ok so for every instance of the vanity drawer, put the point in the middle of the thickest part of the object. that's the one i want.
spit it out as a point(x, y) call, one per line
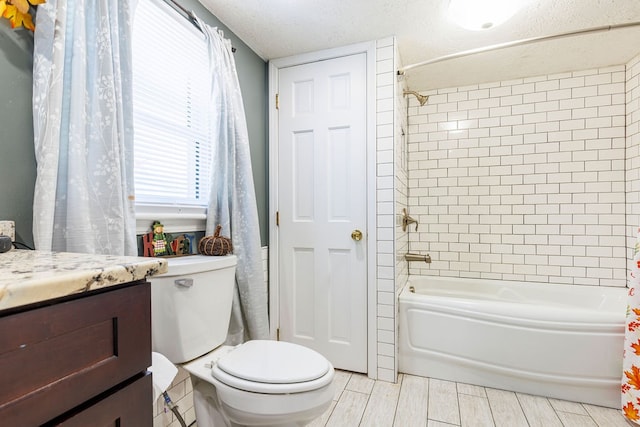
point(128, 406)
point(56, 357)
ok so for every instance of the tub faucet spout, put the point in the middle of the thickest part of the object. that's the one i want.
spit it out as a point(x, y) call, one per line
point(418, 257)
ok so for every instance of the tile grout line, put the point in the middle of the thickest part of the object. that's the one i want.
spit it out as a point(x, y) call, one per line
point(458, 401)
point(490, 408)
point(395, 412)
point(522, 409)
point(365, 407)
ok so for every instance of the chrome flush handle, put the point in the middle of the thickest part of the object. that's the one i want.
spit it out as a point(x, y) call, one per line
point(184, 283)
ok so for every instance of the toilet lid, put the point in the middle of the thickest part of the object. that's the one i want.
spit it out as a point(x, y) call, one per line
point(273, 367)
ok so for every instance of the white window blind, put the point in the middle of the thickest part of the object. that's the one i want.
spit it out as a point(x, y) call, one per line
point(171, 108)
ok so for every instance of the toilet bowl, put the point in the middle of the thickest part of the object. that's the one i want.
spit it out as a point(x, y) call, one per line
point(258, 383)
point(266, 383)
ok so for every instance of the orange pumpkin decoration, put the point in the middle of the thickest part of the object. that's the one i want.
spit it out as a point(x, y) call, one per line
point(215, 245)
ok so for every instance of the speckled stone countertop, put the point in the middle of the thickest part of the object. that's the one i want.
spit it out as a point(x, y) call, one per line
point(28, 277)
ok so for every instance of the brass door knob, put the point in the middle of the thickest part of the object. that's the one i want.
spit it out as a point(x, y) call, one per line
point(356, 235)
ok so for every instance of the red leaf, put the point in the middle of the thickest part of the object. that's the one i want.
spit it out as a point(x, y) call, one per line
point(631, 412)
point(634, 377)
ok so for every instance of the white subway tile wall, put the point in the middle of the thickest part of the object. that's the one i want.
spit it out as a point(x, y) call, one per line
point(523, 179)
point(401, 192)
point(386, 185)
point(633, 153)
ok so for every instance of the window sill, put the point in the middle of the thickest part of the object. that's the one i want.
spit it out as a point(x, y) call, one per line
point(176, 219)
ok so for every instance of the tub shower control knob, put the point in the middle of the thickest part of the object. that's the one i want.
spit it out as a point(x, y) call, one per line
point(356, 235)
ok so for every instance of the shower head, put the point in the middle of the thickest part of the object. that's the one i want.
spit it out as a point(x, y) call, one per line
point(422, 99)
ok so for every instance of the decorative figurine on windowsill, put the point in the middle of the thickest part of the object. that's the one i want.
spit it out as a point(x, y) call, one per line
point(161, 245)
point(216, 244)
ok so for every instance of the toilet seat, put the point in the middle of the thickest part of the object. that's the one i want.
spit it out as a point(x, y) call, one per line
point(273, 367)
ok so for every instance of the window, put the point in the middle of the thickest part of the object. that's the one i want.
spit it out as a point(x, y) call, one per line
point(172, 114)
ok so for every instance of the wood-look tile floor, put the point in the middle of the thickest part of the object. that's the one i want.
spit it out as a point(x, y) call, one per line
point(428, 402)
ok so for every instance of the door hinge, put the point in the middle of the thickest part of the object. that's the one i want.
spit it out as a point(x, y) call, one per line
point(277, 101)
point(278, 334)
point(277, 218)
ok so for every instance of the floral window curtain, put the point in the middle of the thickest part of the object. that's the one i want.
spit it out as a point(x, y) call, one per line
point(232, 203)
point(631, 364)
point(83, 127)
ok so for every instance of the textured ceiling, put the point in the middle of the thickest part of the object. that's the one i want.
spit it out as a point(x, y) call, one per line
point(279, 28)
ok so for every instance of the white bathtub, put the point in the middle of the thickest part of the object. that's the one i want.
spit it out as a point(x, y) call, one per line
point(551, 340)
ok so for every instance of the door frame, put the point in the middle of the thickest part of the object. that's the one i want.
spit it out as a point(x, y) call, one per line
point(369, 49)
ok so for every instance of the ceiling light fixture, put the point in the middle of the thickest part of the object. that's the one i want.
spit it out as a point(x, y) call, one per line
point(483, 14)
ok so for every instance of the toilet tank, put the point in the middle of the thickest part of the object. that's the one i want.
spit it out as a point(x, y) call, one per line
point(191, 305)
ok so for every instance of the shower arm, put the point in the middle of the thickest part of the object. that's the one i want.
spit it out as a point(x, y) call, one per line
point(422, 99)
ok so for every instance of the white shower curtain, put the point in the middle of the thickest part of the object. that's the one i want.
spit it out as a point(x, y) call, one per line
point(82, 114)
point(232, 202)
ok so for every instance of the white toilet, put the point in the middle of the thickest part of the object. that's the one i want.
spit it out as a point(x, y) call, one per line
point(258, 383)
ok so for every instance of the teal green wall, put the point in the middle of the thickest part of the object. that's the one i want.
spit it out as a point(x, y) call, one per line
point(17, 162)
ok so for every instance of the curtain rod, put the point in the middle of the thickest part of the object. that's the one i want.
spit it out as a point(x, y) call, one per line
point(188, 15)
point(403, 70)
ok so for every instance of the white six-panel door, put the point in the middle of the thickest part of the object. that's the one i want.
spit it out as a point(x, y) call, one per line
point(321, 203)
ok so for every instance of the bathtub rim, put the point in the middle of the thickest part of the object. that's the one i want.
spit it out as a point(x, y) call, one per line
point(603, 319)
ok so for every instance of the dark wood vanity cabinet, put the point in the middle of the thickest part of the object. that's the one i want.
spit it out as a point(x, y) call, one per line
point(78, 361)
